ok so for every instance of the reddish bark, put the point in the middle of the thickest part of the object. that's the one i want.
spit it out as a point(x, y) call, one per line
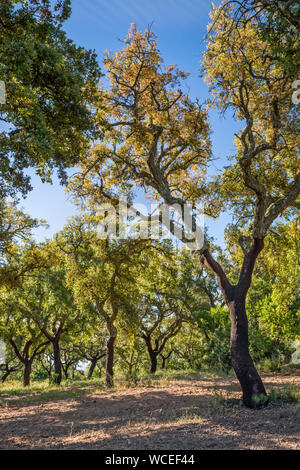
point(110, 362)
point(254, 394)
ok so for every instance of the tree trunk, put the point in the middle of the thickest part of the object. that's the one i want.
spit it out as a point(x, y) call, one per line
point(66, 370)
point(190, 363)
point(153, 362)
point(164, 359)
point(153, 358)
point(57, 362)
point(92, 367)
point(152, 354)
point(110, 361)
point(27, 373)
point(6, 374)
point(254, 393)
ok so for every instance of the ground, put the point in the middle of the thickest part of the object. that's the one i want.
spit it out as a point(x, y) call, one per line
point(178, 414)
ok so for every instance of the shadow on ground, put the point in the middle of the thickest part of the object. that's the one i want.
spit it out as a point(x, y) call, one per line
point(197, 414)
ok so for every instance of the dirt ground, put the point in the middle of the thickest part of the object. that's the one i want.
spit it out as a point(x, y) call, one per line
point(182, 415)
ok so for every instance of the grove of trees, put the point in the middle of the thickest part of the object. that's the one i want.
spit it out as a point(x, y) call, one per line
point(136, 304)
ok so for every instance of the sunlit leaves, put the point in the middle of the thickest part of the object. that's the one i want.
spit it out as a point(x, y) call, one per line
point(155, 136)
point(243, 76)
point(50, 87)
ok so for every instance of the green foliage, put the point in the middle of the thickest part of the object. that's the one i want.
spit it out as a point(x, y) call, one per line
point(284, 42)
point(14, 226)
point(217, 350)
point(277, 23)
point(40, 375)
point(146, 295)
point(50, 85)
point(287, 394)
point(275, 322)
point(260, 400)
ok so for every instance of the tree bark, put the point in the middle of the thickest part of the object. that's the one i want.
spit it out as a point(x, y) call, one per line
point(152, 354)
point(190, 362)
point(57, 362)
point(5, 375)
point(254, 393)
point(110, 361)
point(66, 370)
point(27, 373)
point(153, 362)
point(164, 359)
point(92, 367)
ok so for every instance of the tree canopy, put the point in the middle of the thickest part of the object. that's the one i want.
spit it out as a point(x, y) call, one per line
point(133, 299)
point(51, 86)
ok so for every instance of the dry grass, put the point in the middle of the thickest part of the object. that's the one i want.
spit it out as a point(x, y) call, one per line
point(167, 413)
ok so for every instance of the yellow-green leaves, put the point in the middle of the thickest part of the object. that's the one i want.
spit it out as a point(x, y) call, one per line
point(243, 75)
point(155, 136)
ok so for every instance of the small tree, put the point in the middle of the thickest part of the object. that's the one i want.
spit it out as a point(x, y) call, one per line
point(159, 321)
point(11, 363)
point(42, 296)
point(21, 333)
point(90, 343)
point(102, 275)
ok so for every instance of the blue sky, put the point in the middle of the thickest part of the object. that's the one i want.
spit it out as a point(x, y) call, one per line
point(180, 26)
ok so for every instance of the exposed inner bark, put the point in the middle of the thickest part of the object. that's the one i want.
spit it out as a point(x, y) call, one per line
point(110, 361)
point(27, 373)
point(94, 360)
point(153, 353)
point(92, 367)
point(164, 359)
point(254, 393)
point(8, 370)
point(66, 368)
point(54, 338)
point(242, 362)
point(57, 362)
point(26, 359)
point(153, 362)
point(5, 375)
